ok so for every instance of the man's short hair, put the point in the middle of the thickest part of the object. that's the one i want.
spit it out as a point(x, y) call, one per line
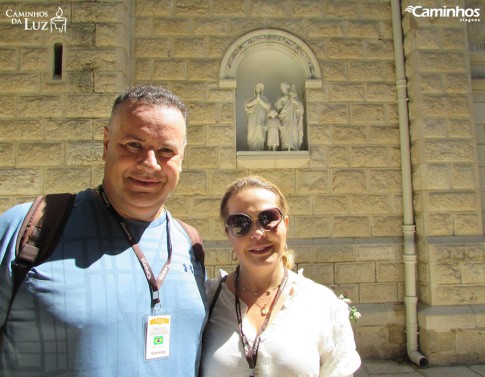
point(150, 95)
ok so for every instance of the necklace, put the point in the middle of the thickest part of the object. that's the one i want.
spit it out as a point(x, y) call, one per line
point(264, 310)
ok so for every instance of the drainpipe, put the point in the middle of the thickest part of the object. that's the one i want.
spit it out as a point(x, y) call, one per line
point(410, 259)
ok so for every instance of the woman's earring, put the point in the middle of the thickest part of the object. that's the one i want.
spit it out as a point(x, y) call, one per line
point(233, 255)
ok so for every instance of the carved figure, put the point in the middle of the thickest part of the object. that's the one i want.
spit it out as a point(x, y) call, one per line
point(274, 124)
point(257, 108)
point(290, 113)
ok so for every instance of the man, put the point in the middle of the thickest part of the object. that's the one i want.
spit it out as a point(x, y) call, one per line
point(102, 305)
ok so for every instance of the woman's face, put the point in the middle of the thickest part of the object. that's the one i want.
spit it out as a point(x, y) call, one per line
point(258, 247)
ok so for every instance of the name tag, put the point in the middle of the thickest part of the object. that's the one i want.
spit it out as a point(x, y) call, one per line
point(157, 337)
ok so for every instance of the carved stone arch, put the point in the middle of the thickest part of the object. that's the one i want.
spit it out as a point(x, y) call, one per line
point(270, 40)
point(271, 57)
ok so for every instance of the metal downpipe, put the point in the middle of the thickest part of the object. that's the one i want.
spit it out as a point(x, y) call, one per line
point(409, 257)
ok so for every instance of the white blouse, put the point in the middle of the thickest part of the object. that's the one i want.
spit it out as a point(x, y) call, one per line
point(310, 336)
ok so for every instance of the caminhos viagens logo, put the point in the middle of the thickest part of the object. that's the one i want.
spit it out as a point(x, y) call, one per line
point(463, 14)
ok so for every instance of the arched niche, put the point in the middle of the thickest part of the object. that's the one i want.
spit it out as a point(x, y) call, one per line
point(269, 56)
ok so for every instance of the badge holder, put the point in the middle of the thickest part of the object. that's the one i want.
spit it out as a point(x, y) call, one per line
point(157, 335)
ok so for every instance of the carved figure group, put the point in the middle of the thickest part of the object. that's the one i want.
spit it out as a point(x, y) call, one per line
point(278, 128)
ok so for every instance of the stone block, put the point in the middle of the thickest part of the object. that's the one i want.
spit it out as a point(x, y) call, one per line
point(191, 91)
point(338, 157)
point(330, 204)
point(39, 154)
point(376, 252)
point(153, 9)
point(228, 7)
point(97, 12)
point(171, 26)
point(17, 82)
point(332, 70)
point(20, 181)
point(189, 48)
point(110, 35)
point(460, 294)
point(363, 29)
point(362, 272)
point(109, 82)
point(7, 155)
point(369, 204)
point(334, 253)
point(84, 153)
point(348, 181)
point(311, 182)
point(385, 180)
point(7, 107)
point(379, 49)
point(89, 59)
point(284, 178)
point(191, 8)
point(437, 61)
point(345, 49)
point(300, 204)
point(456, 84)
point(320, 273)
point(365, 71)
point(439, 224)
point(343, 92)
point(21, 130)
point(472, 273)
point(349, 135)
point(67, 179)
point(376, 293)
point(33, 59)
point(5, 204)
point(205, 207)
point(220, 136)
point(463, 177)
point(201, 157)
point(218, 257)
point(351, 226)
point(153, 47)
point(318, 28)
point(226, 158)
point(210, 27)
point(202, 113)
point(172, 69)
point(381, 92)
point(369, 156)
point(192, 183)
point(436, 176)
point(389, 226)
point(87, 106)
point(40, 106)
point(467, 224)
point(454, 38)
point(312, 227)
point(455, 201)
point(178, 205)
point(367, 113)
point(203, 70)
point(384, 135)
point(430, 83)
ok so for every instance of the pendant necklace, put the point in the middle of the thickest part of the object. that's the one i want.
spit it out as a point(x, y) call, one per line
point(264, 310)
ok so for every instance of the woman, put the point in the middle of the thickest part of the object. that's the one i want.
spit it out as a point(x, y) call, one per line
point(257, 108)
point(266, 320)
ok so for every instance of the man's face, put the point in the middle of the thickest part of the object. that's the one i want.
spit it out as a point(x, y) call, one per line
point(143, 153)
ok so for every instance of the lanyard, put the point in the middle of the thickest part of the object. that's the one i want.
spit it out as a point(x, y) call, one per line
point(153, 283)
point(251, 352)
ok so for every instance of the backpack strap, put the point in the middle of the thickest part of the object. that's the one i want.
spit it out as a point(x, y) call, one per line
point(39, 233)
point(38, 236)
point(196, 240)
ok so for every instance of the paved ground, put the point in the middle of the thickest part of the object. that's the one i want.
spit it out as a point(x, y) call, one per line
point(372, 368)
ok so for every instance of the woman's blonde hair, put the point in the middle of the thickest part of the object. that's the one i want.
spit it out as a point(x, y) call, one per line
point(257, 182)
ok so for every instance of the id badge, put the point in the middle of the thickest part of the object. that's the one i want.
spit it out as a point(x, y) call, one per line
point(157, 337)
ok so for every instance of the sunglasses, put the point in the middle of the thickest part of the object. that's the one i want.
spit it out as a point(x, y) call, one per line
point(240, 224)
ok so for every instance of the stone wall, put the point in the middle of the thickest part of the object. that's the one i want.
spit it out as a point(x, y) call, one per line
point(345, 206)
